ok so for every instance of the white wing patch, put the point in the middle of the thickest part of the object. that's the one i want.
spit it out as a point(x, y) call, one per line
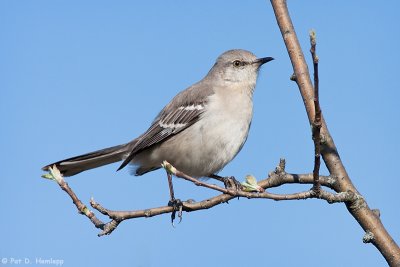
point(192, 107)
point(180, 117)
point(171, 125)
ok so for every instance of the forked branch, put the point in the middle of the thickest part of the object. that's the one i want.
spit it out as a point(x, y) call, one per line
point(377, 234)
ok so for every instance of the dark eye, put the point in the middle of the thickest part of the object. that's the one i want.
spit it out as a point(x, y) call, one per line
point(237, 63)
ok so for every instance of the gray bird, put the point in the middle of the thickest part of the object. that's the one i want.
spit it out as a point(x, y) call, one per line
point(200, 131)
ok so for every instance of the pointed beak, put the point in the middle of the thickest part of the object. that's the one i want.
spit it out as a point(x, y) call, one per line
point(263, 60)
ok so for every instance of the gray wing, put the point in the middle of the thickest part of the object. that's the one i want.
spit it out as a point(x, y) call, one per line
point(169, 122)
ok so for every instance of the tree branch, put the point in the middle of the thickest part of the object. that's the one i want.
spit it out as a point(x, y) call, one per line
point(358, 208)
point(276, 178)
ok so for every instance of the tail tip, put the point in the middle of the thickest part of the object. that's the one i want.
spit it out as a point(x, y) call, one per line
point(46, 168)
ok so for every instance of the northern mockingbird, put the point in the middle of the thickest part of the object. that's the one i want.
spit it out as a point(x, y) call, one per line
point(199, 131)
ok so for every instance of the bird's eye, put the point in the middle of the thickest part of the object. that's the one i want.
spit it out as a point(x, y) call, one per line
point(237, 63)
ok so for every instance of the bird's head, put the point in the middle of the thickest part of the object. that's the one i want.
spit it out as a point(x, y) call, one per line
point(238, 67)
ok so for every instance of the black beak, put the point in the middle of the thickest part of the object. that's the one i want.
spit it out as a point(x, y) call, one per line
point(263, 60)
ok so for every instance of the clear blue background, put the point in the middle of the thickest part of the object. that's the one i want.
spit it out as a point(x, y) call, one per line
point(79, 76)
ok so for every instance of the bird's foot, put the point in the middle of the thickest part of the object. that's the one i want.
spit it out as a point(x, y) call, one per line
point(230, 182)
point(177, 206)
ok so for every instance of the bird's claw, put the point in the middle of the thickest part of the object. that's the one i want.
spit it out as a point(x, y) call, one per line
point(231, 183)
point(177, 206)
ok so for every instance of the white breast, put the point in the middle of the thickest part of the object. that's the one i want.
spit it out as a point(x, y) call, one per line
point(227, 122)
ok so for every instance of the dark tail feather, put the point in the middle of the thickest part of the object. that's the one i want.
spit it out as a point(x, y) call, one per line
point(75, 165)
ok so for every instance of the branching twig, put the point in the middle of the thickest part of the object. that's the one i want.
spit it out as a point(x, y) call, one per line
point(276, 178)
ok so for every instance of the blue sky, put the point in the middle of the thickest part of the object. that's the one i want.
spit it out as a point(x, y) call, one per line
point(79, 76)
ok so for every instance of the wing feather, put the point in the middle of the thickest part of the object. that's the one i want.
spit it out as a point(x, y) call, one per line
point(166, 125)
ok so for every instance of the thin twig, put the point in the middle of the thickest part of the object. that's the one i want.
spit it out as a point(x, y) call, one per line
point(82, 209)
point(316, 125)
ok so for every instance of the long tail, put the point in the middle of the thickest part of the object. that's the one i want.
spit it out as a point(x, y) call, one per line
point(75, 165)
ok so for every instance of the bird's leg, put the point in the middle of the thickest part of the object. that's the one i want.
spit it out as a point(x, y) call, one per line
point(173, 202)
point(229, 181)
point(171, 187)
